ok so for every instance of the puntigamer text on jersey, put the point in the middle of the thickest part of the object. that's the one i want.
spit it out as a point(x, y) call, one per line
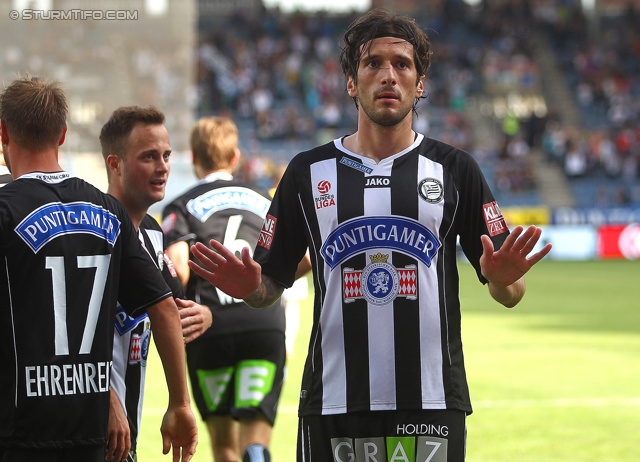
point(57, 219)
point(399, 233)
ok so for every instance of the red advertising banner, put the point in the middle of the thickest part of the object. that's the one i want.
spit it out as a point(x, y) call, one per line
point(619, 241)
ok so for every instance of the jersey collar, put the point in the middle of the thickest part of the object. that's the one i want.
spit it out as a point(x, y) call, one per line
point(215, 176)
point(47, 177)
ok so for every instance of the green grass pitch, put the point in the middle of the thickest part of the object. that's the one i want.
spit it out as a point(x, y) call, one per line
point(555, 379)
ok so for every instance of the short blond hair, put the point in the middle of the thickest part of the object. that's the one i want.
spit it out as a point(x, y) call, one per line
point(34, 111)
point(214, 141)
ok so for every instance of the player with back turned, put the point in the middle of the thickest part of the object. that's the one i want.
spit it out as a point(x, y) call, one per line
point(67, 251)
point(237, 366)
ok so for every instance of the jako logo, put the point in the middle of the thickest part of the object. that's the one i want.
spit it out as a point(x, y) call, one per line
point(324, 186)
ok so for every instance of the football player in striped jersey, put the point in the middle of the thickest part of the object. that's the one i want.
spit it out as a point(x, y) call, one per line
point(382, 211)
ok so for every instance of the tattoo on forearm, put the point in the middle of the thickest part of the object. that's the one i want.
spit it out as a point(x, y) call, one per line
point(268, 292)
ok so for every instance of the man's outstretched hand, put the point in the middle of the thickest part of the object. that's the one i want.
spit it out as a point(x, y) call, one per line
point(511, 262)
point(218, 265)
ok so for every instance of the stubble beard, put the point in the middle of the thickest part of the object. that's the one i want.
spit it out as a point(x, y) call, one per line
point(384, 116)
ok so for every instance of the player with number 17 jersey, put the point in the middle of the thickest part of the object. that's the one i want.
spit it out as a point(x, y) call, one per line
point(68, 252)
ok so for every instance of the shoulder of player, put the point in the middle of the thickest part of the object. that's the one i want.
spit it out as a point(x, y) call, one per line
point(302, 161)
point(113, 205)
point(446, 154)
point(149, 222)
point(252, 187)
point(191, 193)
point(206, 188)
point(9, 189)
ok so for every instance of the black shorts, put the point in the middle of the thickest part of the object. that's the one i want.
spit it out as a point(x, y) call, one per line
point(77, 454)
point(433, 435)
point(239, 375)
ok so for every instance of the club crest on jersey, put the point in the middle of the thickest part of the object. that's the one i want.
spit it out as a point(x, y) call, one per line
point(379, 283)
point(139, 349)
point(324, 199)
point(58, 219)
point(431, 190)
point(494, 219)
point(401, 234)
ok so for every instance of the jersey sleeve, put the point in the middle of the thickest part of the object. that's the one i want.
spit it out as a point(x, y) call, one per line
point(141, 284)
point(282, 242)
point(148, 227)
point(171, 278)
point(480, 212)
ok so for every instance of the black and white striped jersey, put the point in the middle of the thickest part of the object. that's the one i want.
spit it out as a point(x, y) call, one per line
point(132, 335)
point(67, 253)
point(231, 212)
point(382, 236)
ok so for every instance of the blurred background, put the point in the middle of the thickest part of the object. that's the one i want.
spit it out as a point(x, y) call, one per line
point(545, 94)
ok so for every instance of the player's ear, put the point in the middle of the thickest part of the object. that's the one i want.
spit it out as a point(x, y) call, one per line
point(352, 89)
point(64, 135)
point(420, 87)
point(5, 133)
point(235, 159)
point(113, 163)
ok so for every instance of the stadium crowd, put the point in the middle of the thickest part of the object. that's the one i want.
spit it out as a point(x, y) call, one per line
point(600, 61)
point(279, 78)
point(276, 74)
